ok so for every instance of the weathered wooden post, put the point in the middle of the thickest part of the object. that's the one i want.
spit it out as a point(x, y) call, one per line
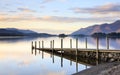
point(32, 47)
point(42, 44)
point(39, 47)
point(71, 51)
point(86, 43)
point(77, 46)
point(70, 43)
point(97, 50)
point(51, 47)
point(35, 44)
point(107, 43)
point(53, 44)
point(86, 47)
point(61, 43)
point(35, 47)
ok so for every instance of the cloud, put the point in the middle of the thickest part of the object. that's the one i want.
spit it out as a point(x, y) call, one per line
point(104, 9)
point(55, 18)
point(25, 10)
point(46, 1)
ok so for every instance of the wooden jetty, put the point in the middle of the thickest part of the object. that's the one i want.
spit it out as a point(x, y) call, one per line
point(106, 55)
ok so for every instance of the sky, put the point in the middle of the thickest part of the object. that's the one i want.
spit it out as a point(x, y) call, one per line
point(57, 16)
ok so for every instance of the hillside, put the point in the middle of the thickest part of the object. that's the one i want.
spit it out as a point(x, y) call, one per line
point(19, 32)
point(104, 28)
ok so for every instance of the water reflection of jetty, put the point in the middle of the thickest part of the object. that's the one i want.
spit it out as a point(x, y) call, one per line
point(84, 56)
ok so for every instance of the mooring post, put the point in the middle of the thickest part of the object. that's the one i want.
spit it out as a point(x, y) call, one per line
point(53, 44)
point(70, 43)
point(35, 44)
point(97, 50)
point(86, 46)
point(97, 43)
point(32, 45)
point(39, 44)
point(39, 47)
point(51, 47)
point(61, 44)
point(107, 43)
point(77, 46)
point(86, 43)
point(42, 44)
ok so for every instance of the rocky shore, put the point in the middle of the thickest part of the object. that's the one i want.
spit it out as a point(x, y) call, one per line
point(102, 69)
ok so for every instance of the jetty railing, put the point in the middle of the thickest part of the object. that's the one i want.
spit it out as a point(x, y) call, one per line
point(103, 54)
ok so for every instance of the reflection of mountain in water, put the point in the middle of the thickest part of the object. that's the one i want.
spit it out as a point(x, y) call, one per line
point(18, 38)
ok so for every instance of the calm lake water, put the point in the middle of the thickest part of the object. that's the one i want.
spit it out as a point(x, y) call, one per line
point(16, 57)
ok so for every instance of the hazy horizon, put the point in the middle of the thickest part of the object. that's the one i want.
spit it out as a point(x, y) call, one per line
point(57, 16)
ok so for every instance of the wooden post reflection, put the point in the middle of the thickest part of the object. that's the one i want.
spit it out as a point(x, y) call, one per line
point(76, 64)
point(71, 60)
point(42, 54)
point(61, 60)
point(53, 56)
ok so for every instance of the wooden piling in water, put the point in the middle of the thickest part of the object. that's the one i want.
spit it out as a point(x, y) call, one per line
point(77, 46)
point(61, 44)
point(97, 50)
point(53, 44)
point(39, 44)
point(86, 54)
point(35, 44)
point(32, 45)
point(35, 47)
point(70, 43)
point(86, 43)
point(42, 44)
point(107, 42)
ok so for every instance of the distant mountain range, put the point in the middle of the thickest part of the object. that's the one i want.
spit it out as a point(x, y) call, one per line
point(104, 28)
point(20, 32)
